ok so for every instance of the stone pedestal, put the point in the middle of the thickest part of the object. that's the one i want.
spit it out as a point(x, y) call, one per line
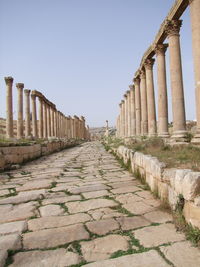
point(27, 113)
point(137, 106)
point(20, 125)
point(178, 105)
point(150, 97)
point(143, 103)
point(195, 24)
point(162, 91)
point(9, 107)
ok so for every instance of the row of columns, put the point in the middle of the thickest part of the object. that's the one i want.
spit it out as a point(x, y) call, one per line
point(137, 109)
point(51, 122)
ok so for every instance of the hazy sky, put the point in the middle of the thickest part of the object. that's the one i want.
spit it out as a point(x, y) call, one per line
point(82, 54)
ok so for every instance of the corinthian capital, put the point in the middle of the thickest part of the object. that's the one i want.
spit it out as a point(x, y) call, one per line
point(148, 64)
point(8, 80)
point(137, 80)
point(173, 27)
point(20, 85)
point(142, 74)
point(160, 49)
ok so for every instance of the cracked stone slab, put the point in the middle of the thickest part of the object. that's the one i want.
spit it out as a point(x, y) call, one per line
point(34, 185)
point(138, 208)
point(24, 197)
point(84, 189)
point(146, 259)
point(124, 184)
point(129, 223)
point(95, 194)
point(127, 198)
point(57, 221)
point(54, 237)
point(59, 258)
point(104, 213)
point(57, 200)
point(103, 247)
point(3, 256)
point(157, 235)
point(51, 210)
point(182, 254)
point(158, 216)
point(126, 189)
point(19, 213)
point(102, 227)
point(11, 242)
point(13, 227)
point(83, 206)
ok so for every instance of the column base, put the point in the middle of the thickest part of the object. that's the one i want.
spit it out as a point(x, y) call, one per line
point(152, 135)
point(164, 135)
point(179, 137)
point(196, 139)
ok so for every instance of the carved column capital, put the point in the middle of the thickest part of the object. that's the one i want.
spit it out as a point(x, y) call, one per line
point(27, 92)
point(142, 74)
point(173, 27)
point(160, 49)
point(148, 64)
point(20, 85)
point(137, 80)
point(8, 80)
point(132, 87)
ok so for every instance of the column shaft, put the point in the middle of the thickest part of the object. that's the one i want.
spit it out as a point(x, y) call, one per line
point(34, 117)
point(40, 118)
point(144, 113)
point(178, 105)
point(162, 91)
point(9, 107)
point(27, 113)
point(132, 111)
point(20, 124)
point(137, 106)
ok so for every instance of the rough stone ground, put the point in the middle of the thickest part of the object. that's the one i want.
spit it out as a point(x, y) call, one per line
point(79, 207)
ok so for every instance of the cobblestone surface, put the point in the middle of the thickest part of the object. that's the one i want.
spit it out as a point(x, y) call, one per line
point(80, 207)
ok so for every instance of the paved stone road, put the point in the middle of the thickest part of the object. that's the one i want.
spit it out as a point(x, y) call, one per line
point(79, 206)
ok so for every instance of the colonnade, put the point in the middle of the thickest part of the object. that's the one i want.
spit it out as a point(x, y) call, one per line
point(43, 121)
point(137, 110)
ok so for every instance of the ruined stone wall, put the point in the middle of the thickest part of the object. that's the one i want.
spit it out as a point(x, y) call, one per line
point(169, 184)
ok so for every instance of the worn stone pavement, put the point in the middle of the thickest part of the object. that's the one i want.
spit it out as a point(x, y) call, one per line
point(79, 207)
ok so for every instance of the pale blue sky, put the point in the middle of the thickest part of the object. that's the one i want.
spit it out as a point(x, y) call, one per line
point(82, 54)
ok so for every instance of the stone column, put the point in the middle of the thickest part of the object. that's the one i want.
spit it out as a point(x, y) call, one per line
point(34, 117)
point(20, 125)
point(52, 121)
point(48, 121)
point(55, 123)
point(123, 118)
point(9, 107)
point(44, 120)
point(132, 111)
point(40, 117)
point(27, 113)
point(160, 50)
point(178, 105)
point(150, 96)
point(120, 121)
point(137, 106)
point(144, 113)
point(128, 114)
point(195, 25)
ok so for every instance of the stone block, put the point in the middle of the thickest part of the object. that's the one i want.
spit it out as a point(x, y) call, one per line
point(192, 213)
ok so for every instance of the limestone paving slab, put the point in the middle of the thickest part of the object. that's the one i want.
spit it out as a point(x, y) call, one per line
point(157, 235)
point(12, 242)
point(103, 247)
point(57, 200)
point(126, 189)
point(146, 259)
point(127, 198)
point(54, 237)
point(51, 210)
point(129, 223)
point(182, 254)
point(83, 206)
point(4, 192)
point(158, 216)
point(95, 194)
point(102, 227)
point(58, 258)
point(84, 189)
point(124, 184)
point(13, 227)
point(3, 256)
point(34, 185)
point(104, 213)
point(57, 221)
point(138, 208)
